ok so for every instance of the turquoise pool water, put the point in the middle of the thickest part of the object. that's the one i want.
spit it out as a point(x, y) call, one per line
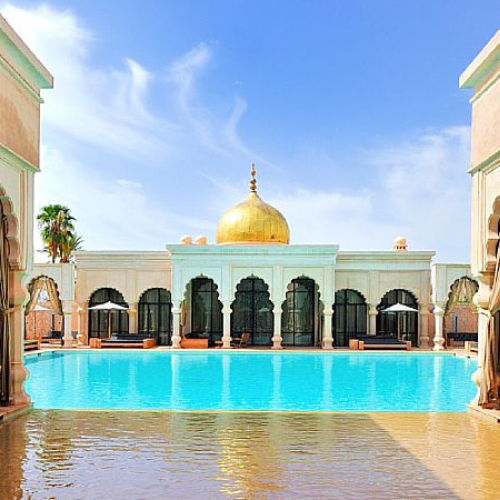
point(280, 381)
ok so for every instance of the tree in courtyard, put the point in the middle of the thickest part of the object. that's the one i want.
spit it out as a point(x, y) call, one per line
point(58, 232)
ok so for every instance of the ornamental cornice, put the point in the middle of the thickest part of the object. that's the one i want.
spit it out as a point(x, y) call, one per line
point(22, 61)
point(13, 159)
point(486, 166)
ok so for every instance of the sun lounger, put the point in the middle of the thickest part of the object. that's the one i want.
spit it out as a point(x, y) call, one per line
point(31, 345)
point(194, 343)
point(378, 342)
point(124, 341)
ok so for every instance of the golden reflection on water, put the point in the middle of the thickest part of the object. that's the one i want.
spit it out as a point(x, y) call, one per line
point(149, 455)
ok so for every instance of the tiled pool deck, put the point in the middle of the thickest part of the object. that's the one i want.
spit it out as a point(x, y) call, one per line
point(149, 455)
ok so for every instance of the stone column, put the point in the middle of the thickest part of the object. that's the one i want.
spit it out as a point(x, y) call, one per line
point(67, 307)
point(132, 318)
point(277, 338)
point(481, 301)
point(372, 319)
point(327, 343)
point(176, 325)
point(18, 373)
point(226, 324)
point(82, 337)
point(482, 330)
point(424, 326)
point(439, 339)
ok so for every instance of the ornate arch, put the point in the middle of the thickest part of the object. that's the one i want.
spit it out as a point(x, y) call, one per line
point(455, 288)
point(406, 290)
point(252, 311)
point(12, 230)
point(194, 317)
point(155, 314)
point(34, 292)
point(292, 311)
point(154, 288)
point(89, 298)
point(407, 323)
point(303, 277)
point(353, 290)
point(493, 236)
point(99, 321)
point(350, 319)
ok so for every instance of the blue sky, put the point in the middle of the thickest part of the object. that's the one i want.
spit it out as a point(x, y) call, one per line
point(351, 110)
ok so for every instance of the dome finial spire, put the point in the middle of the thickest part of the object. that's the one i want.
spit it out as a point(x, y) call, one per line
point(253, 180)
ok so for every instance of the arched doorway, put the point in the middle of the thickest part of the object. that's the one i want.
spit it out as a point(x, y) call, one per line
point(460, 314)
point(300, 324)
point(205, 320)
point(4, 306)
point(98, 320)
point(44, 313)
point(252, 311)
point(350, 316)
point(405, 322)
point(155, 315)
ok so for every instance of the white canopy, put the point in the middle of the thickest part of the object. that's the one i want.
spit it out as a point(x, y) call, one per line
point(108, 306)
point(399, 308)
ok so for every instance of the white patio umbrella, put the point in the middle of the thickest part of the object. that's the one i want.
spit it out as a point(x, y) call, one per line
point(108, 306)
point(399, 308)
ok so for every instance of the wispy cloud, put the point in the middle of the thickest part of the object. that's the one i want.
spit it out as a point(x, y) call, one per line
point(102, 108)
point(418, 188)
point(138, 172)
point(117, 215)
point(109, 108)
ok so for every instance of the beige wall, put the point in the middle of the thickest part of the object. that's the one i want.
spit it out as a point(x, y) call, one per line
point(483, 77)
point(22, 113)
point(131, 273)
point(373, 274)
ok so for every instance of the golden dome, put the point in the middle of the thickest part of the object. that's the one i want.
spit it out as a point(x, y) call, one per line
point(253, 221)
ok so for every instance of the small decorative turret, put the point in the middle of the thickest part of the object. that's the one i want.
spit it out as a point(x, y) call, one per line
point(400, 244)
point(201, 240)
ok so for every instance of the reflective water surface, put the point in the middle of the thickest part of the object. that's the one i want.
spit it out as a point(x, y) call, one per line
point(219, 380)
point(212, 455)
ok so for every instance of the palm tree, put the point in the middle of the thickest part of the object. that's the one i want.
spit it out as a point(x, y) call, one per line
point(58, 232)
point(72, 243)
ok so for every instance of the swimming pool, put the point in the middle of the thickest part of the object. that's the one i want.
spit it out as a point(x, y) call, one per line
point(275, 381)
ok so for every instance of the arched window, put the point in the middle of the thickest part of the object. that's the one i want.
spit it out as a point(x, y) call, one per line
point(206, 310)
point(43, 314)
point(350, 316)
point(155, 315)
point(460, 315)
point(404, 324)
point(252, 311)
point(300, 318)
point(98, 320)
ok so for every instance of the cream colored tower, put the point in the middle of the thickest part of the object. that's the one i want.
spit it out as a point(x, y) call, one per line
point(483, 77)
point(21, 78)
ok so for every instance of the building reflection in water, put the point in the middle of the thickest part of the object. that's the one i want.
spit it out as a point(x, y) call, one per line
point(81, 454)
